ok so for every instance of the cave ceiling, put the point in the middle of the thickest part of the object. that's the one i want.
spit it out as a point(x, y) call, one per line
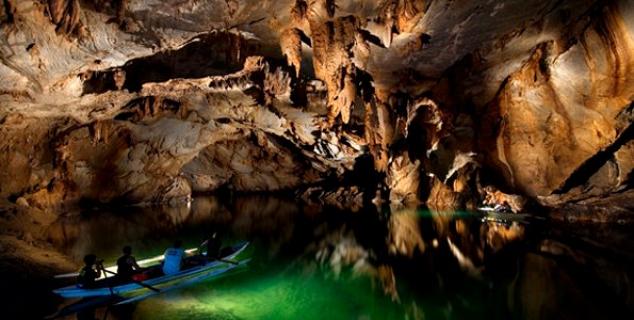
point(146, 101)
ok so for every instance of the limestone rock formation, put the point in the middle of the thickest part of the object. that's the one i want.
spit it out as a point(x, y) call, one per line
point(147, 101)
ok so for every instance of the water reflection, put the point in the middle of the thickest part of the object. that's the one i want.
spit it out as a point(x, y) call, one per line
point(318, 262)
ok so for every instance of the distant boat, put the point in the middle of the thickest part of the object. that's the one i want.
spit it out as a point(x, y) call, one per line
point(157, 281)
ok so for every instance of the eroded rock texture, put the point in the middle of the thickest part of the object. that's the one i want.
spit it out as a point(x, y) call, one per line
point(147, 101)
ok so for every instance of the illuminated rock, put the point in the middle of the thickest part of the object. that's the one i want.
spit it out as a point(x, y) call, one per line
point(144, 101)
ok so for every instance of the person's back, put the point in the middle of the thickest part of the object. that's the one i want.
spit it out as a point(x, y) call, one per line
point(173, 257)
point(126, 265)
point(88, 275)
point(213, 247)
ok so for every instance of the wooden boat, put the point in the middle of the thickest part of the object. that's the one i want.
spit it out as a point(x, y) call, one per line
point(198, 270)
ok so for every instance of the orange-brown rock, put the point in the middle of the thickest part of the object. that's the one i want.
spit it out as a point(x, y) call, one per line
point(494, 197)
point(534, 97)
point(563, 105)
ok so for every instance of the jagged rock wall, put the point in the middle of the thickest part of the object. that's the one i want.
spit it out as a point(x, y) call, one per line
point(147, 100)
point(166, 133)
point(568, 101)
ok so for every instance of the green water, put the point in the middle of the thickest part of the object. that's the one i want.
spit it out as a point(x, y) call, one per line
point(322, 263)
point(270, 295)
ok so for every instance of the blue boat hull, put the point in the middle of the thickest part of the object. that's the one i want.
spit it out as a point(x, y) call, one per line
point(163, 282)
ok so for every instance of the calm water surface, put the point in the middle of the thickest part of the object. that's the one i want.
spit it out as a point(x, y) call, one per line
point(313, 262)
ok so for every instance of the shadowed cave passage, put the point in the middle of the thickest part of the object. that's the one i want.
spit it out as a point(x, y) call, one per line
point(214, 53)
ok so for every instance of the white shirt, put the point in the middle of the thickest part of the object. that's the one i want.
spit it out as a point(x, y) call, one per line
point(172, 260)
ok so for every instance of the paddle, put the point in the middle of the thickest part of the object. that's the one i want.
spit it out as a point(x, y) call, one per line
point(229, 261)
point(137, 282)
point(106, 277)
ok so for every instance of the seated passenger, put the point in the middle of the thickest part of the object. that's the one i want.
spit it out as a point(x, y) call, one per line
point(88, 274)
point(213, 245)
point(126, 265)
point(173, 258)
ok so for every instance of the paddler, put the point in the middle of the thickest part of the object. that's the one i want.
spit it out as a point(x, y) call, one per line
point(88, 273)
point(213, 245)
point(127, 265)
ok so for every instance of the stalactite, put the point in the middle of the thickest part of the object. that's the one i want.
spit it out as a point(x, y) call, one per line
point(65, 14)
point(291, 45)
point(407, 13)
point(100, 132)
point(119, 78)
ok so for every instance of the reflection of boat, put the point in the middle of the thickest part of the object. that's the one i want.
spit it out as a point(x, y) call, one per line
point(505, 217)
point(497, 208)
point(157, 280)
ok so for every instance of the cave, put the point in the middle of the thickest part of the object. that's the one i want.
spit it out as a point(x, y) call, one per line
point(311, 159)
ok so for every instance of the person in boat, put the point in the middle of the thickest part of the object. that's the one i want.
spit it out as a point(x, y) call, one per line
point(88, 273)
point(213, 245)
point(173, 258)
point(127, 265)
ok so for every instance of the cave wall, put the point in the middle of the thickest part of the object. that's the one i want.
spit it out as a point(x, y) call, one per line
point(147, 101)
point(567, 102)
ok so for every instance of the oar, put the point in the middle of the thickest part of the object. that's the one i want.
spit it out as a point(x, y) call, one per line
point(229, 261)
point(135, 281)
point(106, 279)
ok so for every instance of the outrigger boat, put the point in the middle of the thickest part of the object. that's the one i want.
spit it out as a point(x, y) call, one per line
point(158, 282)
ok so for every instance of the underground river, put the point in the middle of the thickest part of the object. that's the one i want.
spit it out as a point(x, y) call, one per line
point(316, 262)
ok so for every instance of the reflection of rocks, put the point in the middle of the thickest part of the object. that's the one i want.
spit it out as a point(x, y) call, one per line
point(556, 248)
point(262, 216)
point(544, 290)
point(464, 261)
point(204, 207)
point(500, 235)
point(340, 249)
point(388, 280)
point(345, 198)
point(453, 257)
point(472, 241)
point(404, 234)
point(600, 256)
point(403, 180)
point(109, 229)
point(443, 198)
point(547, 282)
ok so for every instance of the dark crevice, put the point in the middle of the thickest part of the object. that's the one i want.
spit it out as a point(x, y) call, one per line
point(210, 54)
point(594, 163)
point(9, 11)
